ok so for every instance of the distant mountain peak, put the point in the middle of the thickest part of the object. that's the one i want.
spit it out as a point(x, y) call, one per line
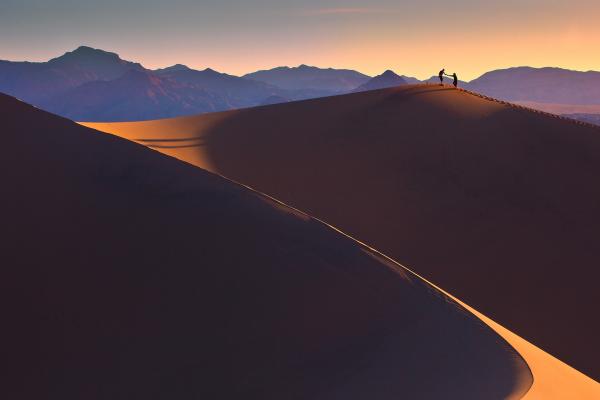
point(84, 48)
point(387, 79)
point(86, 52)
point(389, 73)
point(177, 67)
point(88, 57)
point(325, 81)
point(306, 67)
point(94, 64)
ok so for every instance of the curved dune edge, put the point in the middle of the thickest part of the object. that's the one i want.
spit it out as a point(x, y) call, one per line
point(112, 345)
point(553, 379)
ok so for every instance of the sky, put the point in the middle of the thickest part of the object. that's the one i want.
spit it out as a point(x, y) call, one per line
point(414, 38)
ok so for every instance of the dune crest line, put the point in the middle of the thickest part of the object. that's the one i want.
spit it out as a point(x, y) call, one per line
point(485, 199)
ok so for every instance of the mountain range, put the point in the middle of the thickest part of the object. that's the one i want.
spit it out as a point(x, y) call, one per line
point(37, 82)
point(387, 79)
point(238, 92)
point(544, 85)
point(138, 95)
point(89, 84)
point(311, 79)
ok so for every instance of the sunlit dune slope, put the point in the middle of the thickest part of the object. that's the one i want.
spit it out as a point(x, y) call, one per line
point(130, 275)
point(498, 205)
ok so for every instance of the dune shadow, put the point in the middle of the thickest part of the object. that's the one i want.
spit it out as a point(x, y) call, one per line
point(182, 146)
point(165, 143)
point(191, 138)
point(505, 198)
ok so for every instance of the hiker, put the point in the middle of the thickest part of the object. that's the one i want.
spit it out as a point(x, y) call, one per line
point(455, 79)
point(441, 75)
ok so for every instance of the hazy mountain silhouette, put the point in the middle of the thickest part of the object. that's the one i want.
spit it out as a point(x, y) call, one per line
point(311, 79)
point(95, 63)
point(237, 92)
point(173, 68)
point(388, 79)
point(34, 82)
point(547, 85)
point(91, 84)
point(137, 95)
point(76, 85)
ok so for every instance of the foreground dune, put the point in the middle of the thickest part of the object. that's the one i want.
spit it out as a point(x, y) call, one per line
point(131, 275)
point(494, 203)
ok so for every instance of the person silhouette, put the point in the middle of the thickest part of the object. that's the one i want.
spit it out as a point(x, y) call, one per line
point(441, 75)
point(455, 81)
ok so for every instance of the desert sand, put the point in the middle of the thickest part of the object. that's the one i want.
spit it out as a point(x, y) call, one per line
point(131, 275)
point(496, 204)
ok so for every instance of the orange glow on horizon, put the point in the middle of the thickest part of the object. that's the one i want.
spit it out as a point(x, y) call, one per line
point(469, 38)
point(567, 43)
point(470, 58)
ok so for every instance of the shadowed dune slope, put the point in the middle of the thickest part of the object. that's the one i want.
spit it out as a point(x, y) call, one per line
point(127, 274)
point(498, 205)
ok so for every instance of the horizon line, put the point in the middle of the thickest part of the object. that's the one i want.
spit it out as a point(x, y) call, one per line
point(154, 67)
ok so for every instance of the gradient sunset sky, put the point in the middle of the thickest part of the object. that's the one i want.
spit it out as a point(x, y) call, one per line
point(414, 38)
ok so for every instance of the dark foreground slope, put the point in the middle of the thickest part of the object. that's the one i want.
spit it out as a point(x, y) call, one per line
point(130, 275)
point(496, 204)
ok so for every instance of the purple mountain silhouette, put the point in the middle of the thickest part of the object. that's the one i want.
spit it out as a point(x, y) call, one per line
point(137, 95)
point(307, 78)
point(93, 84)
point(35, 82)
point(388, 79)
point(546, 85)
point(172, 68)
point(238, 92)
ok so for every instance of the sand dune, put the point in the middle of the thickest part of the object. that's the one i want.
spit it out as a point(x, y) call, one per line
point(131, 275)
point(494, 203)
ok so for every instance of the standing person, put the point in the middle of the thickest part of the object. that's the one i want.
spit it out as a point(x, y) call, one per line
point(455, 81)
point(441, 75)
